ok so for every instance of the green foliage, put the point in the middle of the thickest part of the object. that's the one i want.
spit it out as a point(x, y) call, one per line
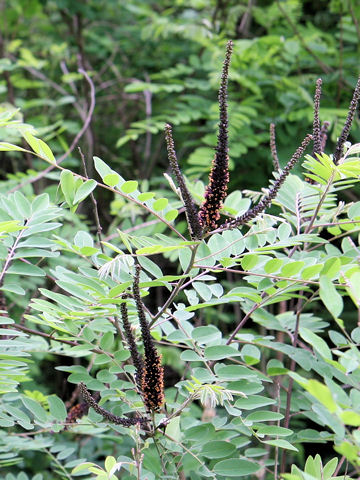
point(258, 326)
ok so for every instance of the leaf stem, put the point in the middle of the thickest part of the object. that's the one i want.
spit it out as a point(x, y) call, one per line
point(176, 288)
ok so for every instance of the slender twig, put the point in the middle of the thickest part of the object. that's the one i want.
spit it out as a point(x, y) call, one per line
point(319, 205)
point(354, 19)
point(81, 132)
point(129, 198)
point(57, 339)
point(243, 321)
point(11, 254)
point(64, 473)
point(94, 202)
point(264, 275)
point(176, 288)
point(265, 298)
point(294, 342)
point(342, 459)
point(186, 449)
point(160, 455)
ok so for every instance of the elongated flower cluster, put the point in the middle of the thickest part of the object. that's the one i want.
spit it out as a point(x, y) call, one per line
point(152, 386)
point(135, 355)
point(149, 372)
point(266, 201)
point(323, 135)
point(125, 422)
point(316, 122)
point(216, 190)
point(190, 209)
point(209, 213)
point(339, 149)
point(219, 175)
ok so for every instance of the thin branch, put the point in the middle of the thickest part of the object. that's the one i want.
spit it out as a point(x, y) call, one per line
point(263, 275)
point(94, 202)
point(81, 132)
point(128, 197)
point(176, 289)
point(319, 205)
point(354, 19)
point(56, 339)
point(11, 253)
point(291, 380)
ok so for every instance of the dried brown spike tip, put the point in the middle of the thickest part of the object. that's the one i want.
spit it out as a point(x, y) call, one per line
point(349, 119)
point(76, 412)
point(153, 378)
point(135, 355)
point(125, 422)
point(273, 149)
point(219, 175)
point(266, 201)
point(316, 123)
point(190, 209)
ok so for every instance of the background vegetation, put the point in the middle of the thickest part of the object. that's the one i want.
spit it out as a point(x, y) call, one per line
point(268, 375)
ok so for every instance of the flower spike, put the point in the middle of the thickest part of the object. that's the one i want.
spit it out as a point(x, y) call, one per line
point(266, 201)
point(135, 355)
point(190, 209)
point(316, 123)
point(153, 379)
point(346, 130)
point(219, 175)
point(125, 422)
point(323, 135)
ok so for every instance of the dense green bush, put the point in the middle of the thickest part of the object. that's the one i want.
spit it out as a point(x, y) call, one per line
point(156, 63)
point(255, 313)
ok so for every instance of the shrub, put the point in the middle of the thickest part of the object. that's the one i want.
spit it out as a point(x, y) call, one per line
point(259, 369)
